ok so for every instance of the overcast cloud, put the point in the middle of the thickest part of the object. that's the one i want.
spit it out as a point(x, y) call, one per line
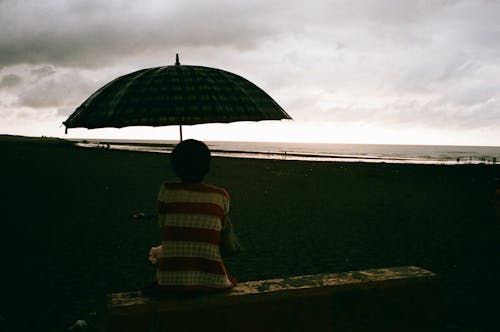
point(388, 63)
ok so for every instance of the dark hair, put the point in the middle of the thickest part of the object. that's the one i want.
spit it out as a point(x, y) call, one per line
point(191, 160)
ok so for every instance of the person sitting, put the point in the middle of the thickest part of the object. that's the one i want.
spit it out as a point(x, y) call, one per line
point(193, 217)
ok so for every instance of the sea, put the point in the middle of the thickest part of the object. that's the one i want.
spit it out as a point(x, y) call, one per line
point(370, 153)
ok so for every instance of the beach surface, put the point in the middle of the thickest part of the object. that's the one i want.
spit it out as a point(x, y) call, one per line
point(69, 236)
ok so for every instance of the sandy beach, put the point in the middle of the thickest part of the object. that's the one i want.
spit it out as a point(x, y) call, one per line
point(68, 237)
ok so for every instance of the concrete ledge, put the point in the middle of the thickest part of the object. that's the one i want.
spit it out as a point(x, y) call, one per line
point(387, 299)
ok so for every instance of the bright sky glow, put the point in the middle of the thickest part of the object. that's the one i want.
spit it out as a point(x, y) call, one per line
point(379, 71)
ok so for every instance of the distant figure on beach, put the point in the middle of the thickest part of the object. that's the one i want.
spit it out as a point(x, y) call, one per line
point(193, 219)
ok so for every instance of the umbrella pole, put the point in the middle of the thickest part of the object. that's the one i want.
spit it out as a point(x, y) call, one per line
point(180, 131)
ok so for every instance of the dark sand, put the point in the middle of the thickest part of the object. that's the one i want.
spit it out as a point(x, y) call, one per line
point(68, 239)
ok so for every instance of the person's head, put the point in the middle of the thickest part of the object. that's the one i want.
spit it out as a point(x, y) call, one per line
point(191, 160)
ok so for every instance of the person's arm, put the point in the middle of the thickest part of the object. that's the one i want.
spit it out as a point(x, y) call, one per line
point(229, 241)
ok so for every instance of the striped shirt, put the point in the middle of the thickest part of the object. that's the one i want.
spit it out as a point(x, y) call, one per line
point(191, 218)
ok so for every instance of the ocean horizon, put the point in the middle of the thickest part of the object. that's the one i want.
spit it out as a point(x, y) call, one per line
point(339, 152)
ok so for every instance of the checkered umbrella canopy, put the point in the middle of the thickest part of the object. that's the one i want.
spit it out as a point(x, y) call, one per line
point(175, 95)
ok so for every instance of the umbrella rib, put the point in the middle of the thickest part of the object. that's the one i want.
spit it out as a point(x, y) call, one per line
point(244, 90)
point(209, 83)
point(123, 91)
point(258, 89)
point(149, 84)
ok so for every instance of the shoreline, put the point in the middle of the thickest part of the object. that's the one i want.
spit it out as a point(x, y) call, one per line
point(290, 155)
point(256, 151)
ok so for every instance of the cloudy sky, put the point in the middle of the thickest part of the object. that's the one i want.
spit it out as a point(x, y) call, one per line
point(367, 71)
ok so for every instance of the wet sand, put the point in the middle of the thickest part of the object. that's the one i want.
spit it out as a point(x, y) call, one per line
point(68, 237)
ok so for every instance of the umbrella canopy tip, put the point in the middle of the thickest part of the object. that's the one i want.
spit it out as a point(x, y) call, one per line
point(177, 63)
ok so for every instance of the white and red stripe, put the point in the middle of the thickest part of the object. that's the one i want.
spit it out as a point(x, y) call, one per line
point(191, 219)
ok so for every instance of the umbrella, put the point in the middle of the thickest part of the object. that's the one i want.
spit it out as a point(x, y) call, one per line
point(175, 95)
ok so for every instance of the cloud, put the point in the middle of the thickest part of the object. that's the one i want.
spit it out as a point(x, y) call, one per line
point(93, 33)
point(41, 72)
point(45, 88)
point(10, 81)
point(432, 63)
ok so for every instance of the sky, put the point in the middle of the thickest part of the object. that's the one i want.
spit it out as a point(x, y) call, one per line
point(370, 71)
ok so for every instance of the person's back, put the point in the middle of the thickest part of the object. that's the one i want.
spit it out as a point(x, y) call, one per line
point(191, 218)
